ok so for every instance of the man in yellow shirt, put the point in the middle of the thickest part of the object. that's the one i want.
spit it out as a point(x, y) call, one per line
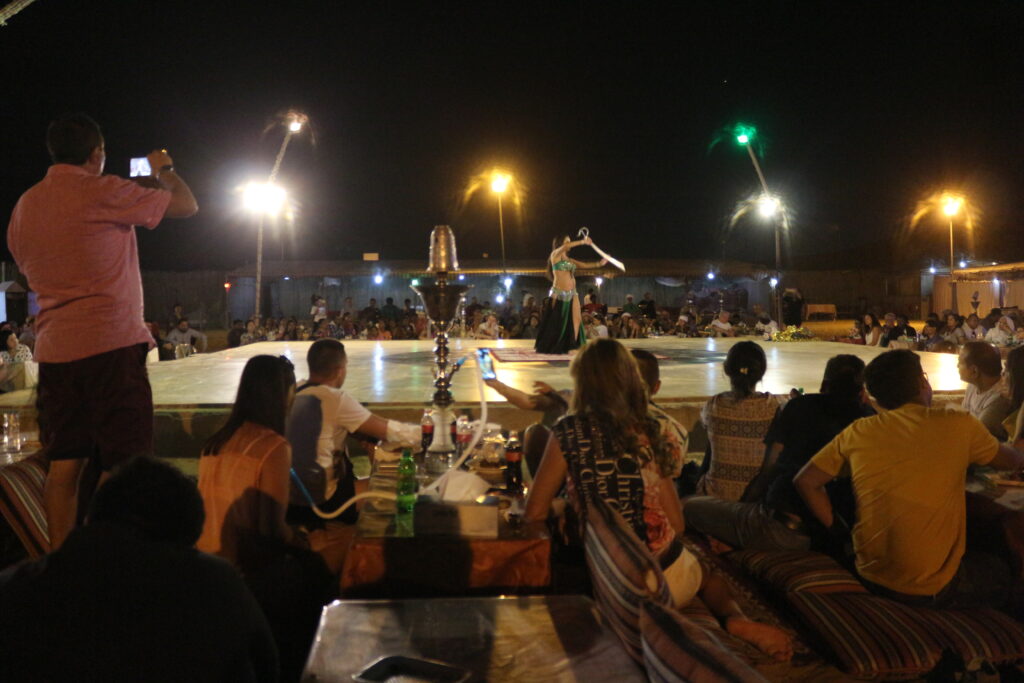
point(908, 466)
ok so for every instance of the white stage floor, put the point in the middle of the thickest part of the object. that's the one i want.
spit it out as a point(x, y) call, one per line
point(400, 372)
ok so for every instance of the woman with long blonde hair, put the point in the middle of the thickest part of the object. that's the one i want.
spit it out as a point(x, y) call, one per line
point(609, 447)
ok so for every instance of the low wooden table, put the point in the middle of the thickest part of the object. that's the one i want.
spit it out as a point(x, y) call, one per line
point(533, 638)
point(390, 560)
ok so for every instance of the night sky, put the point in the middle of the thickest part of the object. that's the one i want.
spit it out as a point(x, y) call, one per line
point(606, 113)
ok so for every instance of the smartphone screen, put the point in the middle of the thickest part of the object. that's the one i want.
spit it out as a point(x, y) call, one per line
point(140, 166)
point(486, 363)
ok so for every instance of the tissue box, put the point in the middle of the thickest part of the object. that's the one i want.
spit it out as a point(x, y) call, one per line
point(467, 520)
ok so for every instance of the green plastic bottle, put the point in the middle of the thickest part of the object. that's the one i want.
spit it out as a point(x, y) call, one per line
point(406, 489)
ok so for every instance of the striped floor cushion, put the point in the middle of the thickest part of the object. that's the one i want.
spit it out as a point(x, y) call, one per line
point(624, 573)
point(872, 636)
point(21, 503)
point(788, 571)
point(676, 649)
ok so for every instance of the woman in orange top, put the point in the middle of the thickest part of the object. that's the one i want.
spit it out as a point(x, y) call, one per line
point(243, 471)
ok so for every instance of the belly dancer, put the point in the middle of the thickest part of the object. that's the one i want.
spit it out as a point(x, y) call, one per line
point(560, 326)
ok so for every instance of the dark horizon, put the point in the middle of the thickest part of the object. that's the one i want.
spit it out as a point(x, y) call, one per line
point(607, 114)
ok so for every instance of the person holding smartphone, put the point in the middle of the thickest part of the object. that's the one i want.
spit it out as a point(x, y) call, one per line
point(72, 235)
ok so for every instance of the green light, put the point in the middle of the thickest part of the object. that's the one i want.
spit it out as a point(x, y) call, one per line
point(743, 133)
point(415, 282)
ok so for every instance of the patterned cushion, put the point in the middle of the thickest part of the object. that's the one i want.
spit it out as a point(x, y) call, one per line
point(676, 649)
point(21, 503)
point(787, 571)
point(873, 636)
point(624, 574)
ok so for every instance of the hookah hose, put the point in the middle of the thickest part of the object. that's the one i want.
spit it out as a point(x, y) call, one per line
point(387, 495)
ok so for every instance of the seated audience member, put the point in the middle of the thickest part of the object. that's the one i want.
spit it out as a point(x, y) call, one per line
point(686, 325)
point(318, 427)
point(870, 330)
point(972, 329)
point(992, 318)
point(183, 334)
point(630, 307)
point(904, 327)
point(235, 334)
point(600, 329)
point(13, 350)
point(489, 329)
point(251, 334)
point(243, 470)
point(611, 424)
point(778, 519)
point(1013, 375)
point(389, 311)
point(721, 325)
point(737, 422)
point(647, 363)
point(930, 338)
point(28, 332)
point(127, 597)
point(908, 465)
point(952, 331)
point(981, 368)
point(648, 307)
point(766, 327)
point(890, 331)
point(1002, 333)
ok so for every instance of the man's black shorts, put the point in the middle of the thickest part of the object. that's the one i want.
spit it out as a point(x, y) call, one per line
point(101, 405)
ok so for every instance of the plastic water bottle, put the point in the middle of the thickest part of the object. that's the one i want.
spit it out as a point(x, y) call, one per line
point(406, 489)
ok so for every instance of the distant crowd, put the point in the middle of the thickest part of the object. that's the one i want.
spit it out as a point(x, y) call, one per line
point(941, 333)
point(505, 320)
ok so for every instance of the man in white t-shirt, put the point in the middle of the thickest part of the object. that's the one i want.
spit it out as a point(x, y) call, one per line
point(722, 326)
point(319, 424)
point(981, 366)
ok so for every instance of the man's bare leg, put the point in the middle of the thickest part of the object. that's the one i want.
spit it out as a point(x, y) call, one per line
point(60, 498)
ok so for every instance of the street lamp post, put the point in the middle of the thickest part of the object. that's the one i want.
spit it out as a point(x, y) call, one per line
point(951, 207)
point(767, 205)
point(499, 183)
point(268, 198)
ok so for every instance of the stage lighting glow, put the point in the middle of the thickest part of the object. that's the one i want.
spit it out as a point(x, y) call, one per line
point(415, 282)
point(508, 282)
point(378, 279)
point(931, 270)
point(500, 299)
point(711, 275)
point(461, 276)
point(963, 264)
point(599, 281)
point(774, 282)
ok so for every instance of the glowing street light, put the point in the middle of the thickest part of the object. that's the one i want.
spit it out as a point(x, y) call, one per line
point(499, 184)
point(508, 283)
point(264, 198)
point(599, 281)
point(931, 270)
point(768, 206)
point(267, 199)
point(773, 283)
point(378, 279)
point(951, 205)
point(711, 275)
point(963, 264)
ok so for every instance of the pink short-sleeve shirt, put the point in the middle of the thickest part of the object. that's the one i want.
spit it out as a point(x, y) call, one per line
point(73, 236)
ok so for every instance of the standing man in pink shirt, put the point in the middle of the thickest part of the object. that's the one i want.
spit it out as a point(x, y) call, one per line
point(73, 236)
